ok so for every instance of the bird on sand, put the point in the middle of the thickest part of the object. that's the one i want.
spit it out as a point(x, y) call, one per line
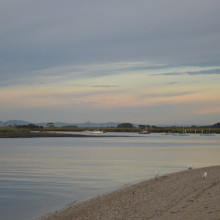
point(204, 175)
point(189, 166)
point(156, 176)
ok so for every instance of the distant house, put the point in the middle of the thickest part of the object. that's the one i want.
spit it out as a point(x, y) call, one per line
point(50, 125)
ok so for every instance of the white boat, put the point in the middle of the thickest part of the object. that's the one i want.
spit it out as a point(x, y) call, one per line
point(86, 131)
point(96, 132)
point(144, 132)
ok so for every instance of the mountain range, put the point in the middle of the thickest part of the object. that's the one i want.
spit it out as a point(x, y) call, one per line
point(59, 124)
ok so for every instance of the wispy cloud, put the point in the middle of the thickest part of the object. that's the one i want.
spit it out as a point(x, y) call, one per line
point(104, 86)
point(168, 94)
point(171, 83)
point(184, 70)
point(75, 73)
point(78, 72)
point(130, 55)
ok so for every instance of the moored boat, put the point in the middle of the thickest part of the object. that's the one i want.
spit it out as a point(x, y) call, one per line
point(144, 132)
point(207, 133)
point(96, 132)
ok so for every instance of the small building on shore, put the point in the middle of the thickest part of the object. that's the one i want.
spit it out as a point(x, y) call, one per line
point(50, 125)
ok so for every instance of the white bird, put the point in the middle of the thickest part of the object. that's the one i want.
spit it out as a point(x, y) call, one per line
point(189, 166)
point(156, 176)
point(204, 175)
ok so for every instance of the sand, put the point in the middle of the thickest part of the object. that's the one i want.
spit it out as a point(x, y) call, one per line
point(182, 195)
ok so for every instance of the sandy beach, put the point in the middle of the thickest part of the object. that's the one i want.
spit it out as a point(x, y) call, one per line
point(182, 195)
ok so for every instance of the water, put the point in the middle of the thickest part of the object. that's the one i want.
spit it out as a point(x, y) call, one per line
point(39, 175)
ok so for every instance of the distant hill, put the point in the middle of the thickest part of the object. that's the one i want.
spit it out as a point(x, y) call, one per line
point(85, 124)
point(59, 124)
point(217, 125)
point(15, 122)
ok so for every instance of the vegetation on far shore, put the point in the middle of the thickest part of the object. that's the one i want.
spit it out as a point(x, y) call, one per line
point(153, 129)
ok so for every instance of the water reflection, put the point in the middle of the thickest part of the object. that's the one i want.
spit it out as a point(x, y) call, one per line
point(41, 174)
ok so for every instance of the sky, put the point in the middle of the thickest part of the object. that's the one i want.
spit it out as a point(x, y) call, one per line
point(144, 61)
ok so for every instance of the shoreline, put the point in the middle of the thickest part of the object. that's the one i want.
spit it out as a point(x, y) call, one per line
point(49, 134)
point(37, 134)
point(53, 134)
point(181, 195)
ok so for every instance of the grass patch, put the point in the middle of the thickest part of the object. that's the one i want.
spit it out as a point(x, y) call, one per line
point(191, 200)
point(173, 212)
point(12, 130)
point(163, 176)
point(214, 184)
point(204, 190)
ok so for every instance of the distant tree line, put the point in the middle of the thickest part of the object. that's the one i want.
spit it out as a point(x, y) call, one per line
point(29, 126)
point(125, 125)
point(217, 125)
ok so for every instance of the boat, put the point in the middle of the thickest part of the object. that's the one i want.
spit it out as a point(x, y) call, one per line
point(86, 131)
point(207, 133)
point(96, 132)
point(93, 132)
point(168, 133)
point(144, 132)
point(181, 134)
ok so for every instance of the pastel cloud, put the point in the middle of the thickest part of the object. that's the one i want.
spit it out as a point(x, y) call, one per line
point(128, 90)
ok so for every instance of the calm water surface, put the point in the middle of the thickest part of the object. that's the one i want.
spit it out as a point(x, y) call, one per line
point(39, 175)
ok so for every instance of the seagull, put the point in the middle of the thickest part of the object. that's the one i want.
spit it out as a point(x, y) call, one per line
point(156, 176)
point(204, 175)
point(189, 166)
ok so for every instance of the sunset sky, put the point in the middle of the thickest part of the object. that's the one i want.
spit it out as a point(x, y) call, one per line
point(144, 61)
